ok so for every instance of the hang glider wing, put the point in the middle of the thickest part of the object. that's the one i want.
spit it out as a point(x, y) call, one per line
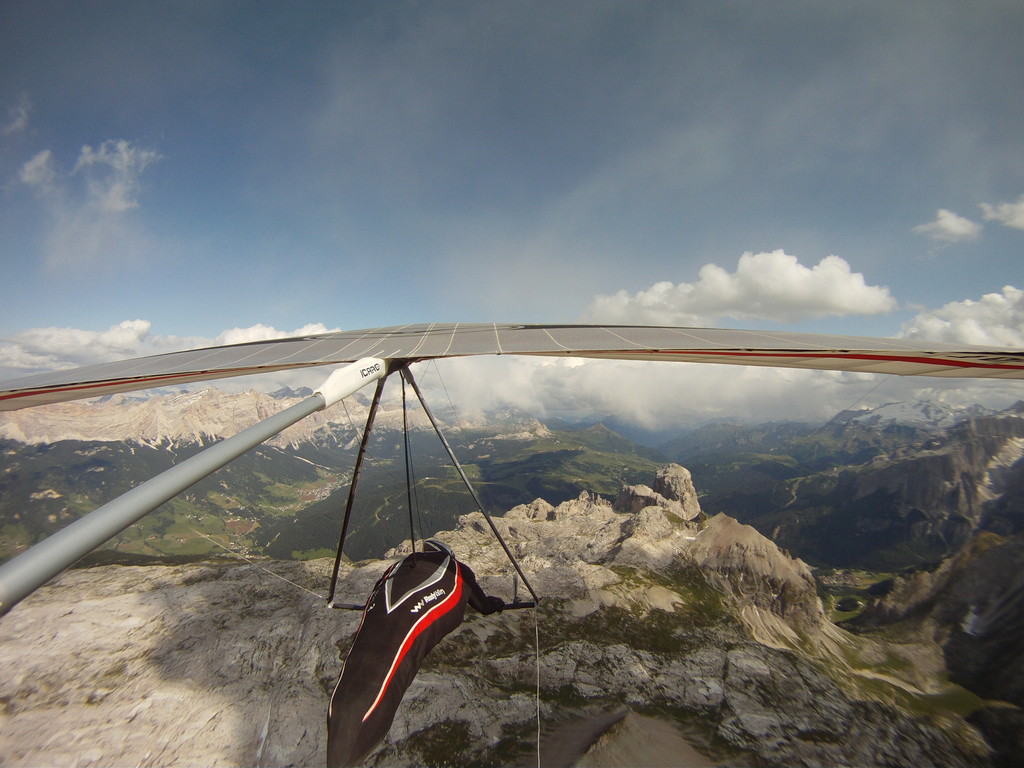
point(424, 342)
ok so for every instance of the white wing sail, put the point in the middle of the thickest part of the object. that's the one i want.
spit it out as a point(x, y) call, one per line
point(424, 342)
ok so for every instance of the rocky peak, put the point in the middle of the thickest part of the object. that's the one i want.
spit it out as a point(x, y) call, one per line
point(645, 530)
point(754, 569)
point(676, 484)
point(287, 393)
point(922, 414)
point(673, 492)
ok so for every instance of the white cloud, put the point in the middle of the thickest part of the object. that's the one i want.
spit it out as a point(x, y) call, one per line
point(88, 208)
point(663, 396)
point(17, 117)
point(113, 174)
point(261, 332)
point(57, 348)
point(39, 173)
point(948, 227)
point(997, 319)
point(1008, 214)
point(769, 286)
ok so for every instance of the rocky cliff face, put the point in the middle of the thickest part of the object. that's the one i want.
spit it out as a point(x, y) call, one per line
point(912, 496)
point(646, 605)
point(973, 606)
point(942, 490)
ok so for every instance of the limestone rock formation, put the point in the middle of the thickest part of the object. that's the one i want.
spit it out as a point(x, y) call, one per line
point(757, 571)
point(676, 484)
point(643, 609)
point(673, 491)
point(206, 414)
point(214, 664)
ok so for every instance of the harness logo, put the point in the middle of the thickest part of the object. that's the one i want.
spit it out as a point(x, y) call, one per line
point(427, 599)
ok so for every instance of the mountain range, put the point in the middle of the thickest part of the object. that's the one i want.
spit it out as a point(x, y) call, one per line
point(661, 632)
point(899, 486)
point(862, 491)
point(840, 593)
point(62, 461)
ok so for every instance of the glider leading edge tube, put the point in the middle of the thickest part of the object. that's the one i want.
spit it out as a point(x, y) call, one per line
point(33, 568)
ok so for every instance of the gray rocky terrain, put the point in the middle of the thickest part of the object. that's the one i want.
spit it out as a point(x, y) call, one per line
point(972, 606)
point(657, 624)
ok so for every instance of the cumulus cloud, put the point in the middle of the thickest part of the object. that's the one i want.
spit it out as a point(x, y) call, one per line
point(88, 206)
point(997, 319)
point(662, 396)
point(768, 286)
point(48, 349)
point(261, 332)
point(113, 174)
point(1008, 214)
point(39, 173)
point(948, 227)
point(56, 348)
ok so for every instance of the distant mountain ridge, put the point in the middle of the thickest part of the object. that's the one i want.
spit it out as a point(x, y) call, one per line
point(923, 414)
point(208, 413)
point(67, 459)
point(204, 415)
point(185, 417)
point(882, 488)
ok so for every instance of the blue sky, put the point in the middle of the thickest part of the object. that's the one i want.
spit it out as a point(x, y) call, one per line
point(176, 174)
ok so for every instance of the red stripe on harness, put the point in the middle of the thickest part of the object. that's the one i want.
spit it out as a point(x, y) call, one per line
point(417, 629)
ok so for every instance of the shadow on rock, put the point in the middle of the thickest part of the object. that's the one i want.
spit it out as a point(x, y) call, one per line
point(202, 664)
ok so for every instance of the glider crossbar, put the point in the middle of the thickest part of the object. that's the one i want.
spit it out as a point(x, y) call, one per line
point(407, 375)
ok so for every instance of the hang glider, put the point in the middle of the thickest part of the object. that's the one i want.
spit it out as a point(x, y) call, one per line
point(411, 343)
point(375, 353)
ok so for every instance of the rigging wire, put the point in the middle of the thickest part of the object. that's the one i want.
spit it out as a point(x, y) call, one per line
point(407, 379)
point(363, 443)
point(457, 422)
point(407, 374)
point(881, 380)
point(386, 468)
point(447, 394)
point(536, 657)
point(251, 562)
point(374, 460)
point(416, 505)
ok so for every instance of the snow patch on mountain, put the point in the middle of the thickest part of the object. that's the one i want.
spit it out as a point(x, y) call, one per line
point(923, 414)
point(993, 482)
